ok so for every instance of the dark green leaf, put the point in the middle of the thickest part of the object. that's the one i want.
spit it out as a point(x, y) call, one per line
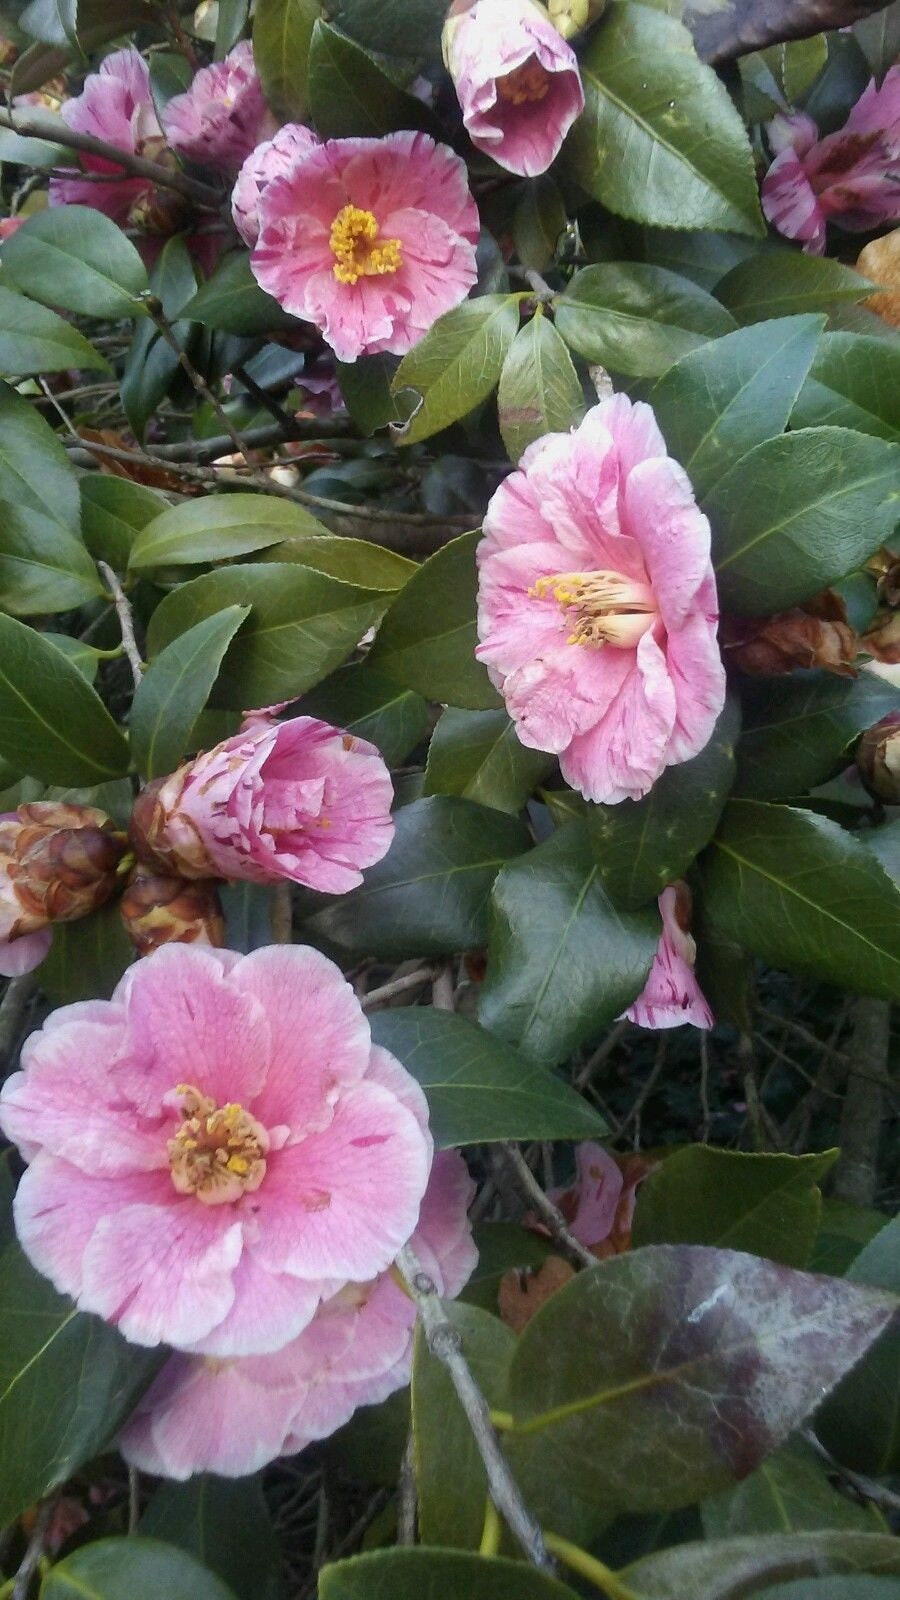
point(539, 390)
point(359, 699)
point(34, 339)
point(231, 301)
point(35, 472)
point(845, 1230)
point(458, 363)
point(87, 958)
point(53, 21)
point(784, 282)
point(43, 567)
point(218, 528)
point(859, 1588)
point(698, 254)
point(151, 363)
point(132, 1569)
point(175, 688)
point(798, 726)
point(282, 30)
point(788, 1493)
point(356, 561)
point(225, 1524)
point(397, 27)
point(635, 318)
point(854, 383)
point(75, 257)
point(731, 1569)
point(38, 153)
point(113, 512)
point(366, 387)
point(230, 23)
point(476, 754)
point(437, 1575)
point(52, 724)
point(350, 96)
point(538, 221)
point(879, 38)
point(861, 1420)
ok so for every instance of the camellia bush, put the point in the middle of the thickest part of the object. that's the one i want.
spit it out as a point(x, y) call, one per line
point(450, 766)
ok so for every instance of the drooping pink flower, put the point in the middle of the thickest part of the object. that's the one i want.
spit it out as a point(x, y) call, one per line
point(517, 81)
point(672, 994)
point(233, 1417)
point(269, 160)
point(597, 604)
point(223, 116)
point(370, 239)
point(116, 105)
point(216, 1149)
point(297, 799)
point(851, 177)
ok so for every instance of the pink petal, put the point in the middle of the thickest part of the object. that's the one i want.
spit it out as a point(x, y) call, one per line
point(698, 677)
point(203, 1416)
point(385, 1071)
point(596, 1194)
point(18, 956)
point(790, 204)
point(660, 509)
point(269, 1310)
point(623, 754)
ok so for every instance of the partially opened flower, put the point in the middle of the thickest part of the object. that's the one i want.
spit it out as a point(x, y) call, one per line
point(672, 994)
point(297, 799)
point(232, 1417)
point(58, 863)
point(597, 604)
point(115, 105)
point(851, 177)
point(216, 1149)
point(517, 80)
point(223, 116)
point(269, 160)
point(370, 239)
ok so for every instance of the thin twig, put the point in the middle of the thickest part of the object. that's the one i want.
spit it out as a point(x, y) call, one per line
point(46, 125)
point(397, 986)
point(647, 1089)
point(281, 914)
point(868, 1488)
point(31, 1559)
point(407, 1503)
point(134, 1499)
point(704, 1089)
point(154, 307)
point(126, 622)
point(856, 1173)
point(262, 397)
point(604, 1049)
point(546, 1210)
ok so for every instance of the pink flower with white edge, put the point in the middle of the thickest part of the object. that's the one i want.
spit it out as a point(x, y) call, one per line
point(223, 116)
point(852, 177)
point(116, 105)
point(370, 239)
point(672, 994)
point(517, 81)
point(597, 607)
point(299, 799)
point(269, 160)
point(215, 1150)
point(233, 1417)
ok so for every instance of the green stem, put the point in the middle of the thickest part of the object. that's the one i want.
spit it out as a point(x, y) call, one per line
point(588, 1567)
point(503, 1421)
point(492, 1531)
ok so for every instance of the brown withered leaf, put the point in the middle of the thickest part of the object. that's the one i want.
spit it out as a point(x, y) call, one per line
point(790, 639)
point(880, 263)
point(882, 639)
point(523, 1292)
point(136, 470)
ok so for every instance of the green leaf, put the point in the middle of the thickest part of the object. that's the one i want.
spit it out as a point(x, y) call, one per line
point(859, 1588)
point(35, 472)
point(546, 991)
point(769, 1205)
point(539, 390)
point(879, 39)
point(718, 402)
point(396, 27)
point(302, 625)
point(75, 257)
point(53, 21)
point(350, 96)
point(659, 140)
point(479, 1089)
point(538, 222)
point(151, 364)
point(67, 1382)
point(359, 699)
point(698, 254)
point(218, 528)
point(845, 1230)
point(175, 689)
point(223, 1523)
point(476, 754)
point(366, 387)
point(113, 512)
point(231, 301)
point(52, 724)
point(745, 1566)
point(854, 383)
point(860, 1423)
point(33, 339)
point(799, 512)
point(131, 1569)
point(640, 846)
point(369, 566)
point(788, 1493)
point(635, 318)
point(43, 567)
point(458, 363)
point(802, 894)
point(785, 282)
point(438, 1574)
point(429, 896)
point(87, 958)
point(282, 30)
point(798, 726)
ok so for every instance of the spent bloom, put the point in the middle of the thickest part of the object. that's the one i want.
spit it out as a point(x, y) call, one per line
point(297, 799)
point(852, 177)
point(269, 160)
point(597, 604)
point(672, 994)
point(116, 105)
point(233, 1417)
point(599, 1206)
point(517, 81)
point(370, 239)
point(216, 1149)
point(159, 909)
point(223, 116)
point(58, 862)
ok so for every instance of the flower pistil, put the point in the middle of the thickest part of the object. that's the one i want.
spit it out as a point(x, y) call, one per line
point(219, 1152)
point(603, 607)
point(356, 255)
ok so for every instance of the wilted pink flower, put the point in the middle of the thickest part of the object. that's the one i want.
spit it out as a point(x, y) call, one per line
point(223, 115)
point(852, 177)
point(297, 799)
point(672, 994)
point(597, 604)
point(233, 1417)
point(517, 81)
point(320, 389)
point(116, 105)
point(216, 1149)
point(599, 1206)
point(269, 160)
point(370, 239)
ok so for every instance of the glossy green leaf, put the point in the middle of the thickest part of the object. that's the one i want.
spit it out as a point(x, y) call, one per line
point(218, 528)
point(225, 1523)
point(785, 282)
point(35, 471)
point(282, 31)
point(151, 363)
point(798, 726)
point(457, 364)
point(476, 754)
point(366, 387)
point(357, 561)
point(43, 567)
point(539, 390)
point(53, 21)
point(359, 699)
point(87, 958)
point(799, 512)
point(397, 27)
point(854, 383)
point(132, 1569)
point(350, 96)
point(438, 1574)
point(798, 891)
point(788, 1493)
point(858, 1588)
point(718, 402)
point(538, 222)
point(428, 637)
point(35, 339)
point(548, 988)
point(769, 1205)
point(861, 1420)
point(175, 688)
point(730, 1569)
point(698, 253)
point(660, 140)
point(75, 257)
point(113, 512)
point(635, 318)
point(231, 301)
point(52, 724)
point(844, 1231)
point(879, 39)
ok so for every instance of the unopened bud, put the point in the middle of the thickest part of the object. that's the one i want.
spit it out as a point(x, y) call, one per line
point(878, 759)
point(162, 835)
point(570, 17)
point(159, 211)
point(158, 910)
point(61, 860)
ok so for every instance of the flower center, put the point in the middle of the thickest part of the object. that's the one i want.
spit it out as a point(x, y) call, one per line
point(525, 84)
point(219, 1152)
point(603, 607)
point(356, 255)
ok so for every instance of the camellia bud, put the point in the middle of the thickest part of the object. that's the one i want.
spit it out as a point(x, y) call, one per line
point(878, 759)
point(161, 837)
point(159, 910)
point(569, 17)
point(61, 860)
point(159, 211)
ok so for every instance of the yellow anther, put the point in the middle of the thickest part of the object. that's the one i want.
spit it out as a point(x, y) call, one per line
point(603, 607)
point(525, 84)
point(356, 254)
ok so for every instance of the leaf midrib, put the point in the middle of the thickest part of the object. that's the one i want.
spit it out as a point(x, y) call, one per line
point(55, 732)
point(812, 507)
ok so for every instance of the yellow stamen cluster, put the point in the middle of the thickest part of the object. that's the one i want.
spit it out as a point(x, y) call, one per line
point(604, 607)
point(356, 255)
point(219, 1152)
point(525, 84)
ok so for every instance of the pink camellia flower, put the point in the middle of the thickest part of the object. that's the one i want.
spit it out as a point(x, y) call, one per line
point(516, 79)
point(233, 1417)
point(297, 799)
point(269, 160)
point(216, 1149)
point(116, 105)
point(672, 994)
point(597, 604)
point(851, 177)
point(223, 116)
point(370, 239)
